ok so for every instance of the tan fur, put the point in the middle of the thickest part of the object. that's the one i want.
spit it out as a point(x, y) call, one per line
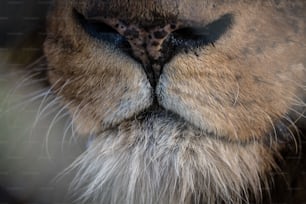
point(223, 103)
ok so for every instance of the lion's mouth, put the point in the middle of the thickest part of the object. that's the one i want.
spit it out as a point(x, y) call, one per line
point(282, 131)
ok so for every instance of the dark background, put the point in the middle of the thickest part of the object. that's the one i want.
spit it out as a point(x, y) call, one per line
point(20, 17)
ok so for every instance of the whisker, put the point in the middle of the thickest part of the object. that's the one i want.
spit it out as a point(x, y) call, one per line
point(57, 117)
point(296, 83)
point(273, 127)
point(28, 100)
point(39, 110)
point(300, 114)
point(13, 91)
point(35, 81)
point(295, 137)
point(66, 129)
point(298, 101)
point(36, 62)
point(28, 73)
point(73, 119)
point(12, 74)
point(51, 109)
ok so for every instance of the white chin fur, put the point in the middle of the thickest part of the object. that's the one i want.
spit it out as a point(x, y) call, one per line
point(162, 159)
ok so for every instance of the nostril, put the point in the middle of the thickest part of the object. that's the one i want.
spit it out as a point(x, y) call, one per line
point(101, 31)
point(189, 35)
point(183, 39)
point(187, 38)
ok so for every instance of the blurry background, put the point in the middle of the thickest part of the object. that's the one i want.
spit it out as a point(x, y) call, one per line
point(30, 159)
point(19, 17)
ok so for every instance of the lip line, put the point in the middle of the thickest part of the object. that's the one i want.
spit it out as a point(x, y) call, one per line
point(156, 109)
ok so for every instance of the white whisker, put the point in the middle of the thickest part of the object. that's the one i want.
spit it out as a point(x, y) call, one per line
point(57, 117)
point(27, 101)
point(67, 127)
point(39, 111)
point(295, 137)
point(272, 141)
point(300, 114)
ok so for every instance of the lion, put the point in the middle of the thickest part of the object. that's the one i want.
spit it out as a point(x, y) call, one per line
point(182, 101)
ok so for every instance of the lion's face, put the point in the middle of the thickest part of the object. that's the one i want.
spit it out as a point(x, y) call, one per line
point(188, 100)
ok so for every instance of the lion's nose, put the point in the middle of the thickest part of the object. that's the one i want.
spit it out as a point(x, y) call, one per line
point(147, 45)
point(155, 45)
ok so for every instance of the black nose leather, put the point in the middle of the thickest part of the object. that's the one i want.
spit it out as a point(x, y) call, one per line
point(155, 45)
point(147, 45)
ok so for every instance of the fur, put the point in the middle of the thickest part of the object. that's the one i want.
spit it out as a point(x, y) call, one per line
point(163, 159)
point(224, 109)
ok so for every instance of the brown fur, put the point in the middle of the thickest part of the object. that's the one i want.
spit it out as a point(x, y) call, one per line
point(227, 101)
